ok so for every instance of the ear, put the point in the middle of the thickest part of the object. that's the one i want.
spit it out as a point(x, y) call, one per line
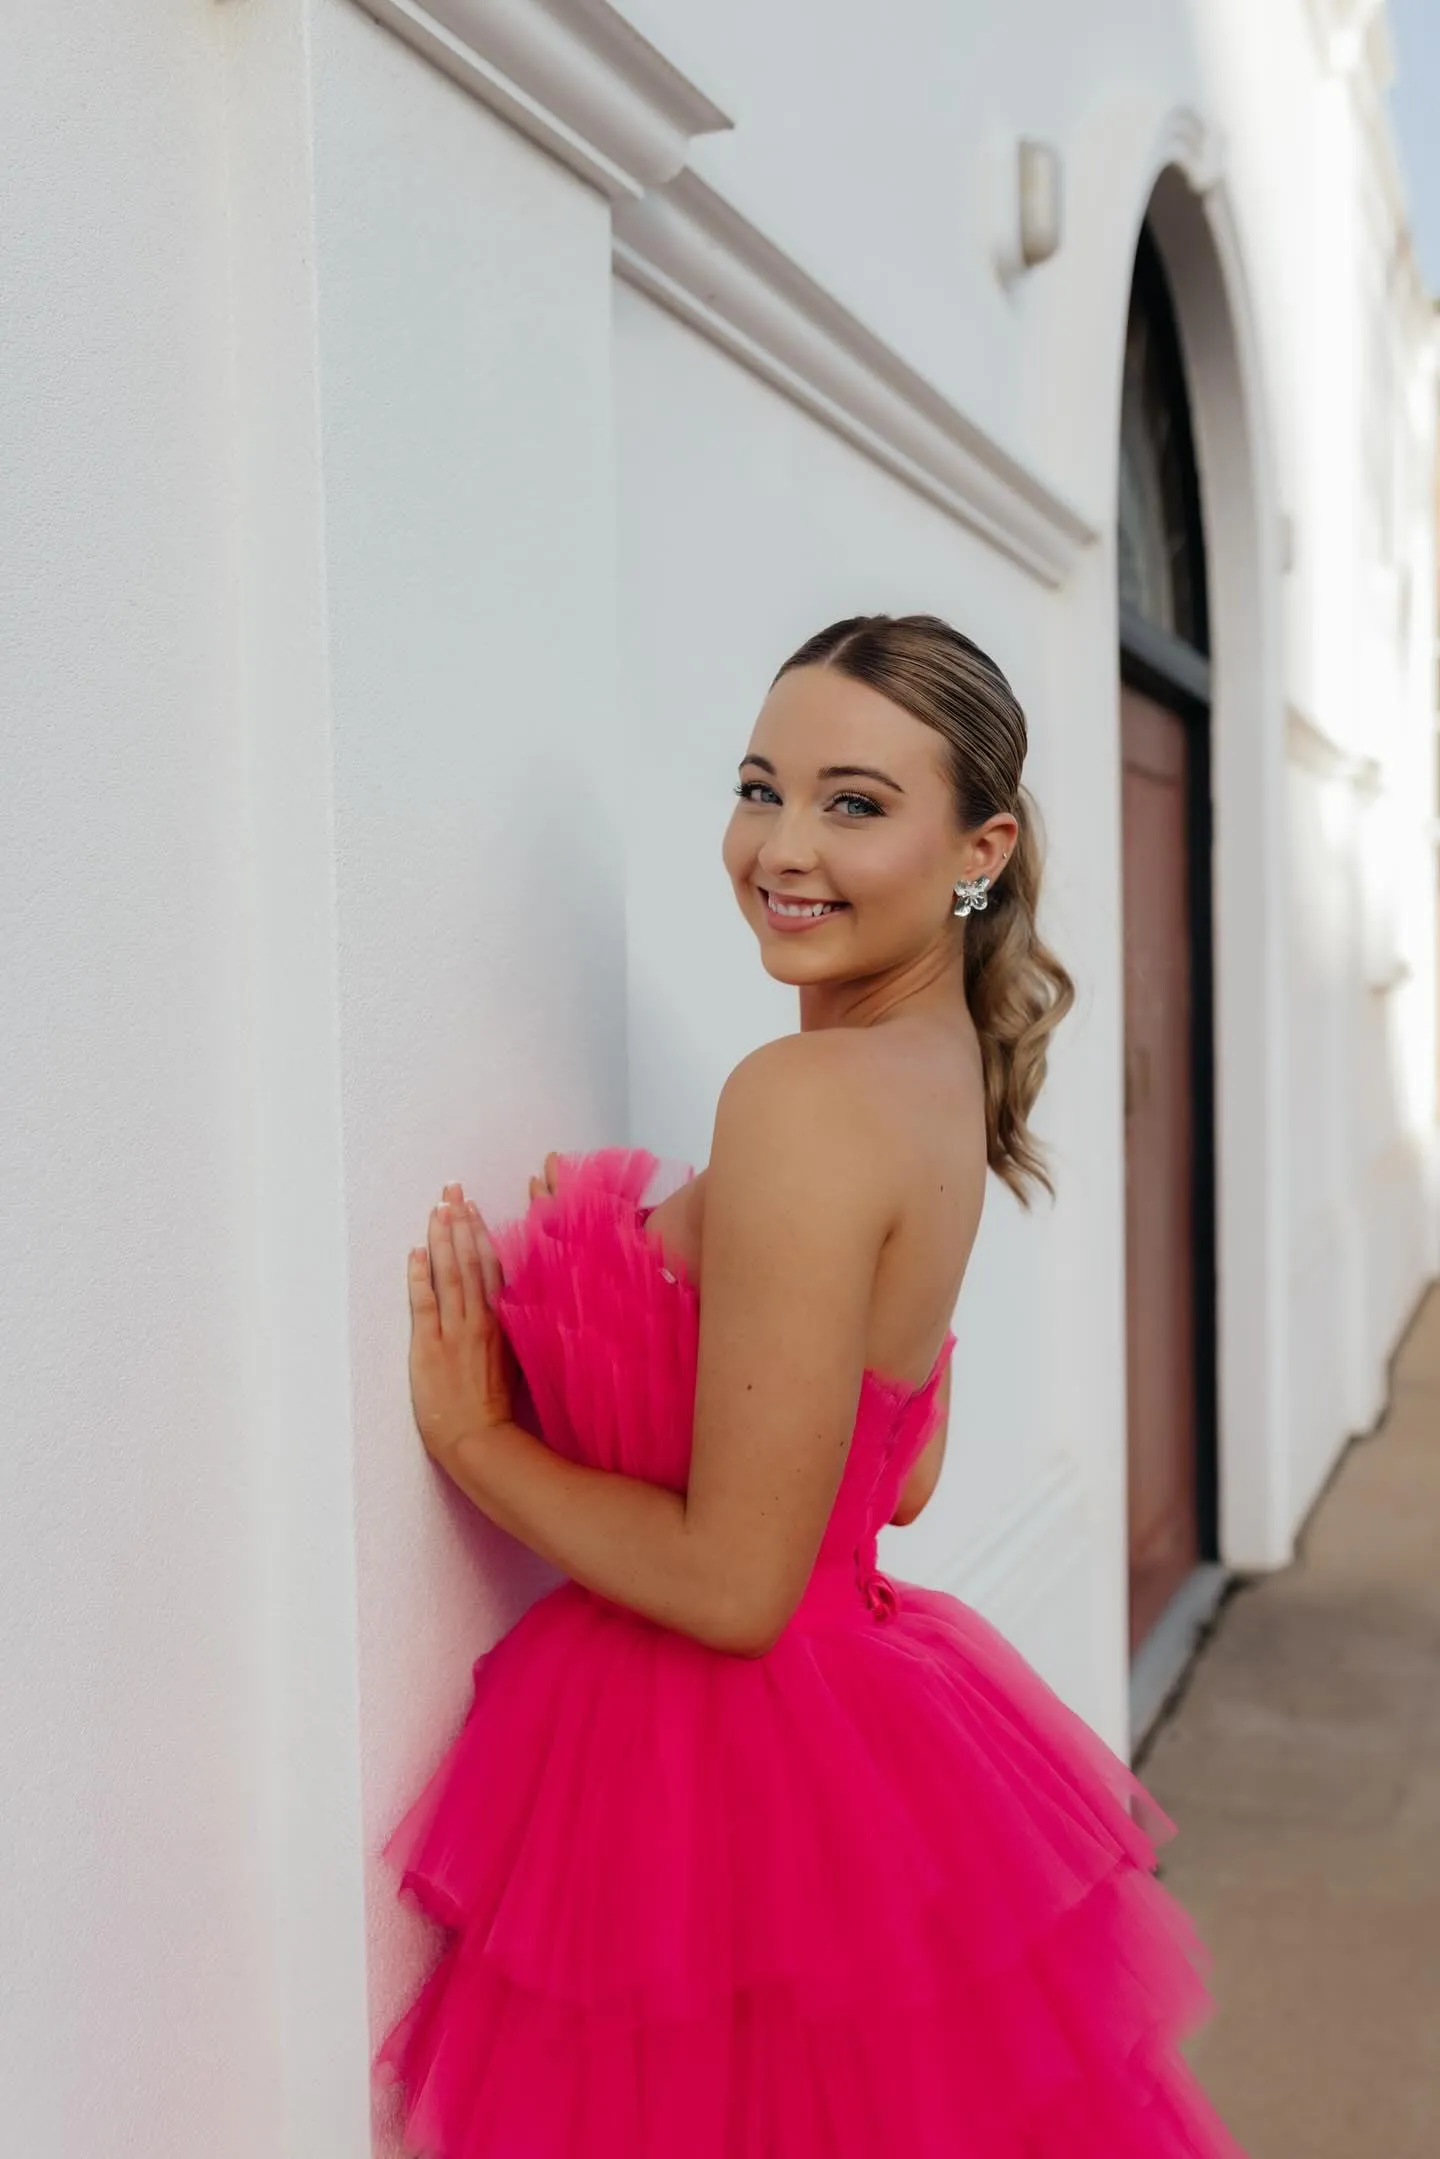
point(989, 847)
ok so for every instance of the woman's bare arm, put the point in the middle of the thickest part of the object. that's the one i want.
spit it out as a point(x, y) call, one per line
point(796, 1212)
point(918, 1489)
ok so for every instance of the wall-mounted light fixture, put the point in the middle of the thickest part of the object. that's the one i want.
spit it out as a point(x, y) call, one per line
point(1027, 179)
point(1041, 202)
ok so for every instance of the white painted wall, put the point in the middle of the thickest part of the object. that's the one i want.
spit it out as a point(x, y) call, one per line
point(391, 592)
point(464, 370)
point(137, 1889)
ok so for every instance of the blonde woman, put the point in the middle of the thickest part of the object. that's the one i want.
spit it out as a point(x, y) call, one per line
point(746, 1851)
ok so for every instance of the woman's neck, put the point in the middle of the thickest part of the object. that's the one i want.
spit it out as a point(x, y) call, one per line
point(932, 985)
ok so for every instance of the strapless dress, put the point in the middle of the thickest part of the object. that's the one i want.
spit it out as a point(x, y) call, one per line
point(876, 1894)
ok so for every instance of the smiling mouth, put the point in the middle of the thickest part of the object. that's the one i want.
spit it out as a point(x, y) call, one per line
point(795, 907)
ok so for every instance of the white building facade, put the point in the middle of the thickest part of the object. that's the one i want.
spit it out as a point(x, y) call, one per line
point(428, 426)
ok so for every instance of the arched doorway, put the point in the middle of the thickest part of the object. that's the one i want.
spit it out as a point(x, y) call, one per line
point(1171, 1437)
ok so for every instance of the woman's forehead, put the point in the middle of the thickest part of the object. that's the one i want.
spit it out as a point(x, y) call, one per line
point(816, 716)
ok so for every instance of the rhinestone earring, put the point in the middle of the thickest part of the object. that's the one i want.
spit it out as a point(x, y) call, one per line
point(972, 896)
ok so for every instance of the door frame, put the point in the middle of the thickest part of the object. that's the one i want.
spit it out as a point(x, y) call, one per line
point(1175, 672)
point(1178, 678)
point(1188, 206)
point(1174, 176)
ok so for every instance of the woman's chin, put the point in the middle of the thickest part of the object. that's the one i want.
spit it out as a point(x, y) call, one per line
point(783, 963)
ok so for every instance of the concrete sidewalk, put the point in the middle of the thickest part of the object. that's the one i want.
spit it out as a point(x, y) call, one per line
point(1302, 1765)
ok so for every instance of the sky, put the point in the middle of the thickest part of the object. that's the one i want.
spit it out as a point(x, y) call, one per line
point(1415, 106)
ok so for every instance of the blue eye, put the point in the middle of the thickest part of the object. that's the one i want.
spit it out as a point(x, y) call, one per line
point(856, 805)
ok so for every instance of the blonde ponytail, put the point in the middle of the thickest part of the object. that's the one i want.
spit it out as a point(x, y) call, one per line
point(1017, 992)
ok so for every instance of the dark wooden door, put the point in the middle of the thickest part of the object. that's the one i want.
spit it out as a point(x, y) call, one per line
point(1159, 1160)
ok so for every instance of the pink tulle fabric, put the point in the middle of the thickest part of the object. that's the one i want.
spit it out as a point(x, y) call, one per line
point(877, 1894)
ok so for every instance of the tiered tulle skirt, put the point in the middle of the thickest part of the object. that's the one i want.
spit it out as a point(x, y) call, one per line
point(875, 1895)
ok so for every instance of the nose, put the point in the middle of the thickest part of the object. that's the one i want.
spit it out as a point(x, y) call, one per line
point(788, 848)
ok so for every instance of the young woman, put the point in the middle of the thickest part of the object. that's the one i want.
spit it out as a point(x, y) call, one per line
point(745, 1851)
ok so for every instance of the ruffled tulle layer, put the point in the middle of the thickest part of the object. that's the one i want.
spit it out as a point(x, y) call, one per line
point(878, 1892)
point(769, 2082)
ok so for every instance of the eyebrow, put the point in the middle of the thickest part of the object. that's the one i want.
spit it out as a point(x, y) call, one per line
point(836, 772)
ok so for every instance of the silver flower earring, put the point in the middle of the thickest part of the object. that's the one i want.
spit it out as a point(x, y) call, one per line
point(972, 896)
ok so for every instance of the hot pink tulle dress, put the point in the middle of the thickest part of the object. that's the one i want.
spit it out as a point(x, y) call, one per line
point(877, 1894)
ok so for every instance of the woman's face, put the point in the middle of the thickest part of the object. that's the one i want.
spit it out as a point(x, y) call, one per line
point(846, 805)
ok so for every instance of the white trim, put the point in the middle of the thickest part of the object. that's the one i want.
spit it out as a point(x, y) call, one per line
point(690, 251)
point(1192, 215)
point(1309, 746)
point(1353, 41)
point(1342, 34)
point(573, 75)
point(1380, 53)
point(1164, 1658)
point(1378, 133)
point(581, 81)
point(1187, 140)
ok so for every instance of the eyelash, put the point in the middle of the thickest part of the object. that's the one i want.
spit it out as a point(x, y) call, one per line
point(849, 794)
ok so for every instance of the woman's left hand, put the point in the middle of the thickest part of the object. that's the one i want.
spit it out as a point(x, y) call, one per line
point(462, 1369)
point(549, 1181)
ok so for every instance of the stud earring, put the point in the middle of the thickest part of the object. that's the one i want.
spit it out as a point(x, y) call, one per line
point(972, 896)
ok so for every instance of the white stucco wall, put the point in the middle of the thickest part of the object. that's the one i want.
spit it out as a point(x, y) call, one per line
point(137, 1888)
point(391, 593)
point(480, 793)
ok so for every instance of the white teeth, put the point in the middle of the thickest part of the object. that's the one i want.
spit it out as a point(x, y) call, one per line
point(807, 907)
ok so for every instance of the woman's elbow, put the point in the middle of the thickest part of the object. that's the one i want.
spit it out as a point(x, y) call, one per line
point(747, 1634)
point(751, 1642)
point(744, 1624)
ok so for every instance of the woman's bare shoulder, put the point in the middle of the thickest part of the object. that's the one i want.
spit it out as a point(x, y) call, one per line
point(806, 1126)
point(796, 1118)
point(825, 1086)
point(801, 1067)
point(873, 1078)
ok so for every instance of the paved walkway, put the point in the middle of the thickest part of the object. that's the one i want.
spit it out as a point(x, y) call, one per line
point(1302, 1765)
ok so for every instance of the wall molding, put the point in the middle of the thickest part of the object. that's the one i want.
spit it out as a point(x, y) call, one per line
point(1308, 745)
point(1194, 145)
point(573, 75)
point(696, 256)
point(579, 80)
point(1349, 34)
point(1353, 41)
